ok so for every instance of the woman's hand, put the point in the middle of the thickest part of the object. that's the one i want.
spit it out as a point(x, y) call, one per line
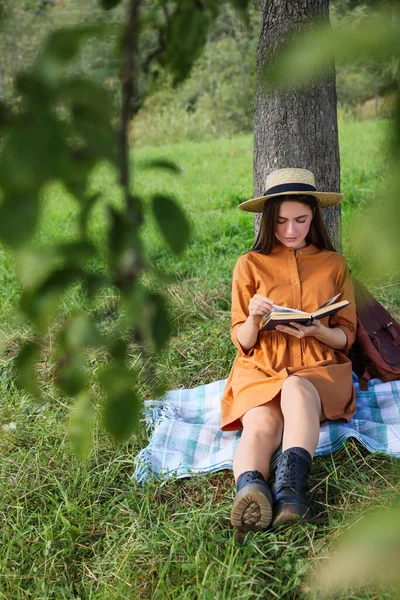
point(247, 334)
point(301, 331)
point(259, 306)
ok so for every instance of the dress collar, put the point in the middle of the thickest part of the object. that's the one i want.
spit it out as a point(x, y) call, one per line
point(281, 249)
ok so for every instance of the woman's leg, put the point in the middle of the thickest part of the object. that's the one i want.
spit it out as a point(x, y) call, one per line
point(261, 436)
point(302, 412)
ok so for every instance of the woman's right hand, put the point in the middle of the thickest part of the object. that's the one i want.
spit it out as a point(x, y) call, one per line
point(247, 333)
point(259, 306)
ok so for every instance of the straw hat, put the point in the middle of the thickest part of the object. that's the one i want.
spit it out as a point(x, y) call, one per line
point(289, 182)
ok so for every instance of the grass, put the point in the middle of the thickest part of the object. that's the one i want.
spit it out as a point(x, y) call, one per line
point(73, 530)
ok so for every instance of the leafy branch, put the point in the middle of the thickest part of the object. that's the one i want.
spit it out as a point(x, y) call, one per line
point(64, 128)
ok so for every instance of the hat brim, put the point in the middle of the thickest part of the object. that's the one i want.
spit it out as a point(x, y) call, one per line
point(325, 199)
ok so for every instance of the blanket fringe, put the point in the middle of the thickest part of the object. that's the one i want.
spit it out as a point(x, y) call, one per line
point(155, 411)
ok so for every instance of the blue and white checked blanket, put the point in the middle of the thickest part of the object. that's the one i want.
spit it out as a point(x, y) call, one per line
point(186, 439)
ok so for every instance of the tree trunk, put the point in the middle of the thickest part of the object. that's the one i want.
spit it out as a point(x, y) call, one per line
point(296, 129)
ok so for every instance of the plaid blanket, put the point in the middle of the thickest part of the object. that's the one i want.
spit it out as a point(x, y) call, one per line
point(186, 439)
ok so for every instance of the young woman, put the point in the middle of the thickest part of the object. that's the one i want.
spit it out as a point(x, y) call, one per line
point(284, 382)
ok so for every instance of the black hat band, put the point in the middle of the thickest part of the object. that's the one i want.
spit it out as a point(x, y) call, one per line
point(290, 187)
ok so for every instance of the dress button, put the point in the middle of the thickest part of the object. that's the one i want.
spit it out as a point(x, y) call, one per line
point(296, 283)
point(297, 355)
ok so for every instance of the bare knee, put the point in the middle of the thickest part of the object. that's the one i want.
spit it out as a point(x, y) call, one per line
point(263, 427)
point(264, 421)
point(299, 394)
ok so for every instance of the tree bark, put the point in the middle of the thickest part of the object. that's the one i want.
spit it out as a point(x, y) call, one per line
point(296, 128)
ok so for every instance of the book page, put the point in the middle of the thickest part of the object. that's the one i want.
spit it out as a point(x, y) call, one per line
point(329, 302)
point(322, 312)
point(285, 309)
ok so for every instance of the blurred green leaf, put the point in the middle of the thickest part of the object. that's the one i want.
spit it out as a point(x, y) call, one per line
point(134, 302)
point(159, 320)
point(71, 377)
point(73, 253)
point(185, 36)
point(26, 362)
point(161, 163)
point(381, 223)
point(313, 51)
point(135, 210)
point(81, 332)
point(77, 168)
point(93, 282)
point(3, 13)
point(92, 113)
point(88, 99)
point(241, 7)
point(109, 4)
point(122, 408)
point(172, 222)
point(33, 88)
point(19, 215)
point(100, 139)
point(367, 554)
point(40, 303)
point(88, 204)
point(124, 249)
point(63, 45)
point(118, 349)
point(5, 115)
point(35, 265)
point(81, 425)
point(395, 142)
point(33, 152)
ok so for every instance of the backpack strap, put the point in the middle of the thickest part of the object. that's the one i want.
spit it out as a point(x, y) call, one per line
point(364, 379)
point(394, 334)
point(373, 315)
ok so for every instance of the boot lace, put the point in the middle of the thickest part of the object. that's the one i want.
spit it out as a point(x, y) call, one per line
point(287, 473)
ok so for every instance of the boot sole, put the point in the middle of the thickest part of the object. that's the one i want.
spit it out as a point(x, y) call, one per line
point(251, 510)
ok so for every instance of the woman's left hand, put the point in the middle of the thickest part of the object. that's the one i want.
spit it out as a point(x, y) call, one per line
point(299, 330)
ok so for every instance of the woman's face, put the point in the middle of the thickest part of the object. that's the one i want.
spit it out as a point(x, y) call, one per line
point(293, 223)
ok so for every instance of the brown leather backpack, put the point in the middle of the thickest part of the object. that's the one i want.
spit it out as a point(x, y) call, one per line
point(376, 350)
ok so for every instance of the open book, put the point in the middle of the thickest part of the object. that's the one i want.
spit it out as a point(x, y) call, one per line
point(282, 315)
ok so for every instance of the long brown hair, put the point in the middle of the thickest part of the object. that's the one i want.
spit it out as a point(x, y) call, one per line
point(317, 233)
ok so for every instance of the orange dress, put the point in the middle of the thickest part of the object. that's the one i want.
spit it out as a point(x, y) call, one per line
point(302, 279)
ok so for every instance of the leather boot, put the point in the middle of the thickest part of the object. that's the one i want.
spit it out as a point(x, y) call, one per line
point(290, 488)
point(252, 506)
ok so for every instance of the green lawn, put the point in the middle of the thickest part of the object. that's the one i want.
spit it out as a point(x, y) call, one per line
point(87, 531)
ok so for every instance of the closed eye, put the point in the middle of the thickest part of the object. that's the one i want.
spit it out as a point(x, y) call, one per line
point(282, 222)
